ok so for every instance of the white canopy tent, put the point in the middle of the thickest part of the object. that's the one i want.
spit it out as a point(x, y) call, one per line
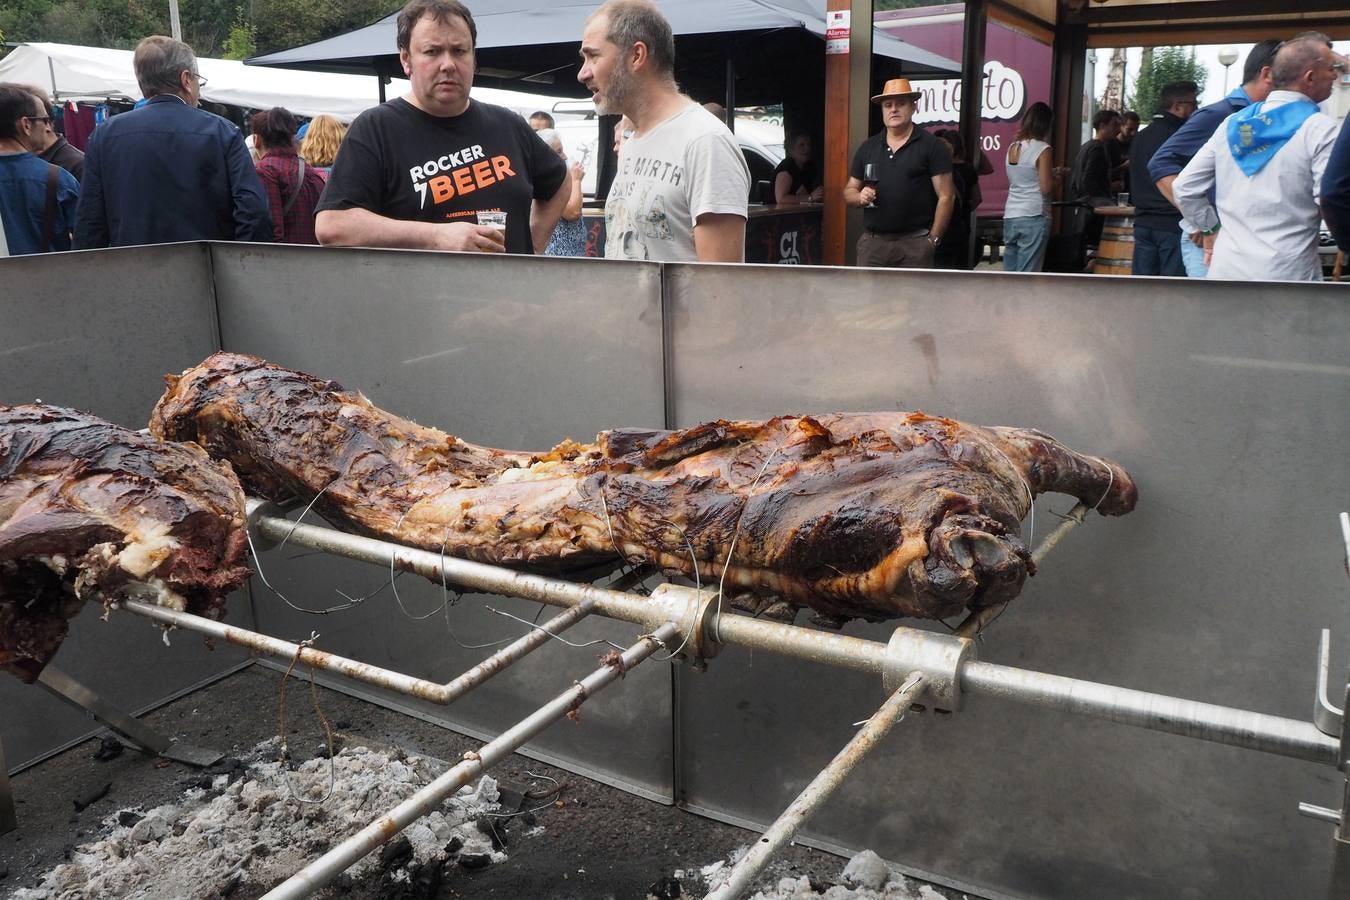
point(93, 73)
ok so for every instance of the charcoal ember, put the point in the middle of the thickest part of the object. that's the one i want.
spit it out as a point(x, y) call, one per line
point(109, 748)
point(396, 853)
point(472, 861)
point(127, 818)
point(91, 796)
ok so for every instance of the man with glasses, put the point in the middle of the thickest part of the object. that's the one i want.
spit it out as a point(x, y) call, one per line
point(169, 171)
point(1157, 223)
point(1265, 166)
point(55, 148)
point(37, 199)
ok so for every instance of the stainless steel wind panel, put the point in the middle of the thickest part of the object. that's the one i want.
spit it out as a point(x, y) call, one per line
point(508, 352)
point(98, 331)
point(1227, 402)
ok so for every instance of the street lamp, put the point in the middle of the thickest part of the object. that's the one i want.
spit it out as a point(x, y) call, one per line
point(1227, 56)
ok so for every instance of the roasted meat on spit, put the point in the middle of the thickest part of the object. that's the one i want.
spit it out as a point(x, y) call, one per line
point(91, 510)
point(872, 515)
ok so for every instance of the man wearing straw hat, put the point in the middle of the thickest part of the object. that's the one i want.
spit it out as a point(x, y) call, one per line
point(902, 178)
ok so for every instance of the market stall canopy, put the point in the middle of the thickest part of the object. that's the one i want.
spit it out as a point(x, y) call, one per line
point(92, 73)
point(536, 43)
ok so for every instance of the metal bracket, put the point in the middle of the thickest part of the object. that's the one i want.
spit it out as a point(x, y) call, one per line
point(140, 734)
point(940, 657)
point(1328, 718)
point(694, 612)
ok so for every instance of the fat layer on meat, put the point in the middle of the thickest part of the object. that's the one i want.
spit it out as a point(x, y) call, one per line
point(91, 510)
point(872, 515)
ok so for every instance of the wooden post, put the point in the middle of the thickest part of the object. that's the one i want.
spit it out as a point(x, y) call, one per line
point(972, 76)
point(848, 77)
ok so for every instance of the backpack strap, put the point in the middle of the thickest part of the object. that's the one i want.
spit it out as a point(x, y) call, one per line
point(299, 184)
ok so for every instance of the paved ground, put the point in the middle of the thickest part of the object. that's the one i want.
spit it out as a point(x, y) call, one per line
point(596, 841)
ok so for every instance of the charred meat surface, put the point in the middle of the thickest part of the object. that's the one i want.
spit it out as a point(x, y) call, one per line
point(91, 510)
point(872, 515)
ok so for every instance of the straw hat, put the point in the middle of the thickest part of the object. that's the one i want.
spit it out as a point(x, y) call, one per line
point(896, 87)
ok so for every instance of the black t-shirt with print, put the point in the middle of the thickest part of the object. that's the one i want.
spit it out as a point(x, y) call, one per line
point(906, 200)
point(403, 163)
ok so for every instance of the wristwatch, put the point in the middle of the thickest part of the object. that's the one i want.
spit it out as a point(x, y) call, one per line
point(934, 239)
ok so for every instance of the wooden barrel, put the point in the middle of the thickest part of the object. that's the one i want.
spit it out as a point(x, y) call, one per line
point(1115, 253)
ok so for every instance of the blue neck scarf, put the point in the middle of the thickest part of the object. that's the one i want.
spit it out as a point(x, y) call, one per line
point(1256, 134)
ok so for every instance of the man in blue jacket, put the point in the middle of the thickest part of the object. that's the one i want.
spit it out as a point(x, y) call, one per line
point(37, 199)
point(169, 171)
point(1178, 150)
point(1336, 191)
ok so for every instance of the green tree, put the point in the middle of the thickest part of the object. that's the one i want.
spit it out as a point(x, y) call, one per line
point(242, 41)
point(1161, 66)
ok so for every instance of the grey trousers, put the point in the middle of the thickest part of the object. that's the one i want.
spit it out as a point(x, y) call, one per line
point(895, 251)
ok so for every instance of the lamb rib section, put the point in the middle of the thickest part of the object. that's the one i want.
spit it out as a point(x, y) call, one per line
point(91, 510)
point(873, 515)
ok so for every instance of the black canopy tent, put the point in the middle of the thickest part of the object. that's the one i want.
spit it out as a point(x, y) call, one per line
point(775, 48)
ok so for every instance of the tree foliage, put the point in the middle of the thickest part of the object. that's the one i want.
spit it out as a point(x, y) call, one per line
point(214, 28)
point(1160, 67)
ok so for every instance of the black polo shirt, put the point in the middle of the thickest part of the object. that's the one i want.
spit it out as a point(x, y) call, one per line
point(906, 201)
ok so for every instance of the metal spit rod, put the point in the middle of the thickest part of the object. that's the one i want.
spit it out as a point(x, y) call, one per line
point(359, 671)
point(343, 856)
point(819, 790)
point(1158, 712)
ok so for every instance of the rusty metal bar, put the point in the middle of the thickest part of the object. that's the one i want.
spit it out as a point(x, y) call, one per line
point(832, 649)
point(819, 790)
point(976, 621)
point(340, 858)
point(359, 671)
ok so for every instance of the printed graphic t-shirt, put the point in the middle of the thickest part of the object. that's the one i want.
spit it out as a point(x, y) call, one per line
point(403, 163)
point(687, 166)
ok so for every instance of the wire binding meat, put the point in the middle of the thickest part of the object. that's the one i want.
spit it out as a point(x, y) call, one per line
point(872, 515)
point(91, 510)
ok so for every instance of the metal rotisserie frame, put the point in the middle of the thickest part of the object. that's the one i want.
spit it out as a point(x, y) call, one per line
point(1224, 400)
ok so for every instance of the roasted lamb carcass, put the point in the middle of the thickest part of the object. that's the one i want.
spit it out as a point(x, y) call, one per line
point(872, 515)
point(91, 510)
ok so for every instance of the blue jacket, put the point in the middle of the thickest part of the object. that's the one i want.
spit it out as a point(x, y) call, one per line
point(1178, 150)
point(23, 204)
point(169, 172)
point(1336, 191)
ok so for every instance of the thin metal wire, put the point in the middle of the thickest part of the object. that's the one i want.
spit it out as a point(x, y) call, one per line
point(735, 535)
point(281, 726)
point(257, 564)
point(1110, 483)
point(698, 589)
point(536, 627)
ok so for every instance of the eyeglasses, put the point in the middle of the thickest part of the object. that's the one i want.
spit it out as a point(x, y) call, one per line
point(46, 120)
point(201, 81)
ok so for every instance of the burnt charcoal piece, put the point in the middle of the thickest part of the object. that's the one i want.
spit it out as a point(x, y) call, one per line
point(109, 748)
point(871, 515)
point(91, 510)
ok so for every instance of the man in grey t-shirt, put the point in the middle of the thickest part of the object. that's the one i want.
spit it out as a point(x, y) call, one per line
point(682, 187)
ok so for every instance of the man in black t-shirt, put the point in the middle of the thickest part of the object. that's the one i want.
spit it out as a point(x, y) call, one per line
point(907, 202)
point(418, 171)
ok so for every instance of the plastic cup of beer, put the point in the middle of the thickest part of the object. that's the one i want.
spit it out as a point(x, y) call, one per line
point(1122, 199)
point(493, 219)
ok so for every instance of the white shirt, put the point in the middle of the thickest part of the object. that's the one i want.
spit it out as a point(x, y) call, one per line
point(687, 166)
point(1270, 219)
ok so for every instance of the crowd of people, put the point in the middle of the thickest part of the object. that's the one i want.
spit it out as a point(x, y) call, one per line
point(1235, 189)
